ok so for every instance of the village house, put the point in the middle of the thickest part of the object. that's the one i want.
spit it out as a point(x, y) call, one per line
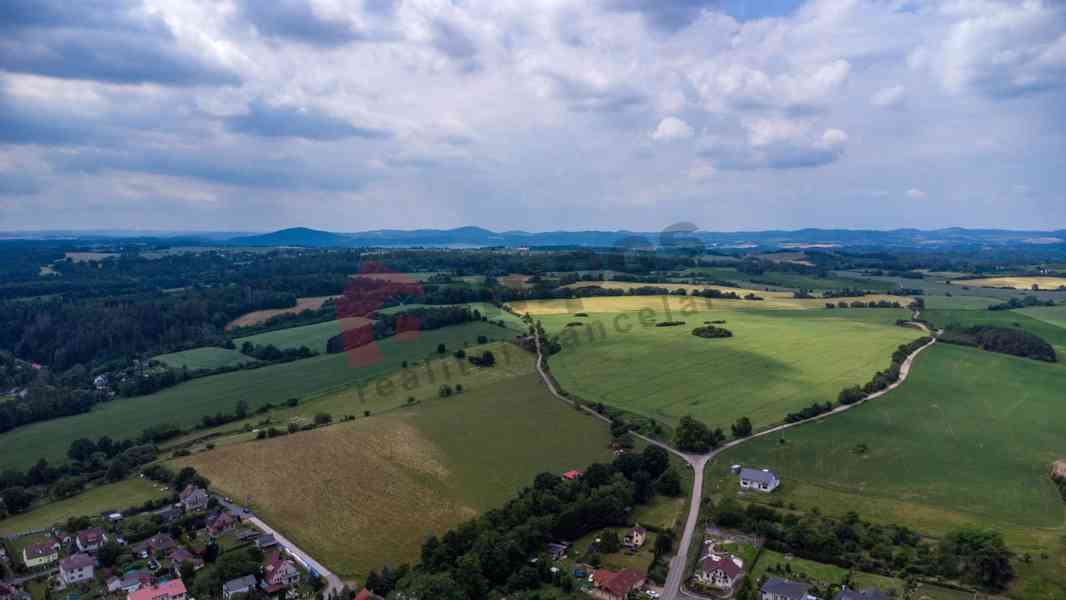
point(179, 556)
point(762, 480)
point(221, 523)
point(776, 588)
point(723, 572)
point(241, 585)
point(168, 590)
point(278, 574)
point(170, 514)
point(867, 594)
point(130, 582)
point(573, 474)
point(159, 543)
point(76, 568)
point(40, 554)
point(636, 537)
point(193, 498)
point(265, 541)
point(90, 540)
point(615, 585)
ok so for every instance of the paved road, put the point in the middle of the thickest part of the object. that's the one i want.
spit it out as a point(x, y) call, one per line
point(333, 583)
point(672, 590)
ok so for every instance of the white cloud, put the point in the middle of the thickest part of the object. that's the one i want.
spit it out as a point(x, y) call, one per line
point(916, 194)
point(672, 128)
point(701, 172)
point(889, 97)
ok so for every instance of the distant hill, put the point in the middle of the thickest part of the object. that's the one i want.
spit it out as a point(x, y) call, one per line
point(479, 237)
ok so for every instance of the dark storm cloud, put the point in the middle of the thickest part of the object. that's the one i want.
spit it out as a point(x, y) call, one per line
point(215, 166)
point(114, 42)
point(296, 20)
point(31, 124)
point(282, 121)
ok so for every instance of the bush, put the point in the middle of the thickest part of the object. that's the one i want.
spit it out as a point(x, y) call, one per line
point(1004, 340)
point(710, 331)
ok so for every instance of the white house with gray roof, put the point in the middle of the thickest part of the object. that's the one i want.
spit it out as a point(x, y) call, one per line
point(241, 585)
point(761, 480)
point(776, 588)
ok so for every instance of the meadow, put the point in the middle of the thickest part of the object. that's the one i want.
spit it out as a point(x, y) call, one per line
point(110, 497)
point(209, 357)
point(313, 336)
point(967, 441)
point(1018, 283)
point(786, 279)
point(677, 304)
point(379, 486)
point(185, 404)
point(776, 362)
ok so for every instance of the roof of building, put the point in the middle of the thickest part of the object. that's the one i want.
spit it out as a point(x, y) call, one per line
point(618, 583)
point(77, 561)
point(365, 594)
point(174, 587)
point(728, 564)
point(238, 584)
point(786, 588)
point(192, 491)
point(760, 475)
point(573, 474)
point(266, 540)
point(274, 564)
point(40, 549)
point(160, 541)
point(867, 594)
point(7, 590)
point(93, 535)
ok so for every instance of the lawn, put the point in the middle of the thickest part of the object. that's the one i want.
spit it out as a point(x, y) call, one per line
point(364, 493)
point(820, 573)
point(1052, 315)
point(966, 441)
point(204, 358)
point(111, 497)
point(775, 363)
point(666, 305)
point(186, 403)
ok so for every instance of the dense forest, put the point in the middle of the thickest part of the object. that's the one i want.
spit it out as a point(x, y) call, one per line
point(1005, 340)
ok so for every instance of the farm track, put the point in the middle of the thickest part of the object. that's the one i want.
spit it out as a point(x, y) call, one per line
point(673, 588)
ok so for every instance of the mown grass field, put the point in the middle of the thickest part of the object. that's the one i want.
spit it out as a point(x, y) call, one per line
point(785, 279)
point(1018, 283)
point(313, 336)
point(259, 316)
point(1052, 315)
point(776, 362)
point(364, 493)
point(822, 573)
point(967, 441)
point(204, 358)
point(185, 404)
point(111, 497)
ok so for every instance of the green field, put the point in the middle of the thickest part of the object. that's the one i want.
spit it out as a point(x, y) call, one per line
point(1052, 315)
point(778, 361)
point(111, 497)
point(185, 404)
point(785, 279)
point(379, 486)
point(313, 336)
point(204, 358)
point(966, 441)
point(1044, 327)
point(823, 573)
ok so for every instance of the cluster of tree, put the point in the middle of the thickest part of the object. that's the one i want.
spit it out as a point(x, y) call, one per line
point(485, 359)
point(669, 323)
point(712, 331)
point(1060, 482)
point(742, 428)
point(971, 556)
point(870, 304)
point(42, 402)
point(1005, 340)
point(1025, 302)
point(271, 353)
point(177, 481)
point(491, 555)
point(693, 435)
point(809, 413)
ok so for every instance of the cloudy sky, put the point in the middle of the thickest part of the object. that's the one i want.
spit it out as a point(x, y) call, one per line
point(532, 114)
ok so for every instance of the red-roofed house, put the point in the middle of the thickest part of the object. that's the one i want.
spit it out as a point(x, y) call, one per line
point(170, 590)
point(90, 540)
point(723, 572)
point(76, 568)
point(612, 585)
point(366, 594)
point(42, 554)
point(572, 475)
point(278, 574)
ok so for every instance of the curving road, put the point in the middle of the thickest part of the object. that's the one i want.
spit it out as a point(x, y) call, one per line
point(672, 590)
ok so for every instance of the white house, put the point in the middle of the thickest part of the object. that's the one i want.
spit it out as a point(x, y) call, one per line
point(241, 585)
point(76, 568)
point(776, 588)
point(720, 571)
point(759, 480)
